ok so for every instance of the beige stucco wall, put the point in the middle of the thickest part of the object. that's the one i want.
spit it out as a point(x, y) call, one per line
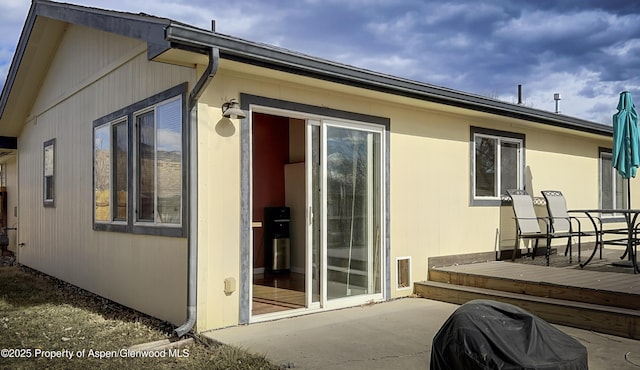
point(94, 74)
point(218, 216)
point(429, 175)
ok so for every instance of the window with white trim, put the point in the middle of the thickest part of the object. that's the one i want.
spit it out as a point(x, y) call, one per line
point(613, 188)
point(139, 167)
point(497, 164)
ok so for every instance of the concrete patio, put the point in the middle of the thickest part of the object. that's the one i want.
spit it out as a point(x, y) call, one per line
point(391, 335)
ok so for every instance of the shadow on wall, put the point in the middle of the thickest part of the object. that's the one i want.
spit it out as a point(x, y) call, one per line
point(528, 181)
point(225, 128)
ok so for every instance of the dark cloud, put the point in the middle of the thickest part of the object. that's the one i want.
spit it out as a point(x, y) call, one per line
point(588, 50)
point(613, 6)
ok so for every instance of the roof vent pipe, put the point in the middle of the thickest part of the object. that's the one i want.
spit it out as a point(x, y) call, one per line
point(519, 94)
point(213, 25)
point(557, 98)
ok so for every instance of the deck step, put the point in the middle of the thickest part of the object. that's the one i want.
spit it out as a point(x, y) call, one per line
point(600, 318)
point(607, 289)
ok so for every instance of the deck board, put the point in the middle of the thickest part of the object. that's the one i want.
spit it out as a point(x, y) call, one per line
point(603, 319)
point(611, 281)
point(603, 301)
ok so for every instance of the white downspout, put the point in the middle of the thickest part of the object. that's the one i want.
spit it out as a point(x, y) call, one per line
point(192, 122)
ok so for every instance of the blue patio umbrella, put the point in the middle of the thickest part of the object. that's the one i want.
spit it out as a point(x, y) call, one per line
point(626, 139)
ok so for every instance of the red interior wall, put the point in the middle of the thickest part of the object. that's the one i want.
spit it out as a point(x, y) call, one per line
point(270, 154)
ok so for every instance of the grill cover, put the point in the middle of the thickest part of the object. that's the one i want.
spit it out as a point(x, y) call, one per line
point(484, 334)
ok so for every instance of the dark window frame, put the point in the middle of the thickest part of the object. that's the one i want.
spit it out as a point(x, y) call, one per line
point(130, 112)
point(49, 202)
point(113, 170)
point(116, 171)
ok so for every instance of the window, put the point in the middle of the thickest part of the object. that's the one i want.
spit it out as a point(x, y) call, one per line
point(120, 149)
point(497, 164)
point(613, 188)
point(49, 172)
point(159, 158)
point(110, 171)
point(139, 167)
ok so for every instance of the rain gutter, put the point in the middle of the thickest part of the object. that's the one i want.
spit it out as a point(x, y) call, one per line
point(192, 240)
point(288, 61)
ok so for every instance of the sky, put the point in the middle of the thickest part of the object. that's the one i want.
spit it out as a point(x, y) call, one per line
point(587, 51)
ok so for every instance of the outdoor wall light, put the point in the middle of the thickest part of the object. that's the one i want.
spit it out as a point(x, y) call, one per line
point(231, 109)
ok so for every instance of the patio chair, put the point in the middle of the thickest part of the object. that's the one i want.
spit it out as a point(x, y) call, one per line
point(528, 224)
point(561, 221)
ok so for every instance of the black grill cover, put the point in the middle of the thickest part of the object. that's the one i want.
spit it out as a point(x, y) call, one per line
point(484, 334)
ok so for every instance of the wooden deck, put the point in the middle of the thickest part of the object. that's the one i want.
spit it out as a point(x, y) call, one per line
point(606, 302)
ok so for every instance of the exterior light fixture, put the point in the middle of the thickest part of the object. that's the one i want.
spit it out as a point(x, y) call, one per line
point(231, 109)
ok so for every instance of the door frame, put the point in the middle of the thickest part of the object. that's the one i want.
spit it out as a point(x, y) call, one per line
point(348, 300)
point(253, 103)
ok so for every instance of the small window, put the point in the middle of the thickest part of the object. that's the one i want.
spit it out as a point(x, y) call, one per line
point(497, 164)
point(49, 173)
point(613, 188)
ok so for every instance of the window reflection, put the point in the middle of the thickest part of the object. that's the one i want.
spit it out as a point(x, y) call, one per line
point(102, 173)
point(169, 162)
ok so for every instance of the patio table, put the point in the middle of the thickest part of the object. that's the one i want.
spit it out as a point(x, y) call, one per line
point(630, 216)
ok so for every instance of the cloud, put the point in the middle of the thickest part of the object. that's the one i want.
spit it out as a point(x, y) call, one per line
point(588, 50)
point(169, 140)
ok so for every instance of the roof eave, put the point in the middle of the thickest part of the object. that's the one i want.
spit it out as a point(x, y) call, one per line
point(286, 60)
point(144, 27)
point(17, 58)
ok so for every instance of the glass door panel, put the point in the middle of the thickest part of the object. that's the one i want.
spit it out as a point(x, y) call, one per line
point(352, 211)
point(314, 240)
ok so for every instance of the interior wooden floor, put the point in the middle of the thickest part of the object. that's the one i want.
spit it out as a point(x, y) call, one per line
point(276, 292)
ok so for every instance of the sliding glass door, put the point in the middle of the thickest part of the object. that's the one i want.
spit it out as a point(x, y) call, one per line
point(345, 187)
